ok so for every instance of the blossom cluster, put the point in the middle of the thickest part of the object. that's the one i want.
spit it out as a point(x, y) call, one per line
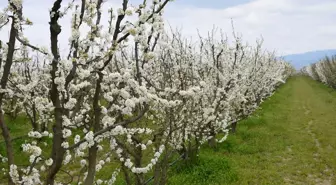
point(322, 71)
point(128, 94)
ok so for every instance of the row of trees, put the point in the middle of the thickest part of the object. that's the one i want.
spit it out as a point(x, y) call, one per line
point(323, 71)
point(126, 97)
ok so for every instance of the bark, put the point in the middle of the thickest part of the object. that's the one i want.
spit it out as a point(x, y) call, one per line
point(94, 150)
point(127, 177)
point(212, 142)
point(3, 84)
point(34, 123)
point(9, 146)
point(92, 165)
point(164, 170)
point(137, 163)
point(233, 127)
point(58, 151)
point(160, 171)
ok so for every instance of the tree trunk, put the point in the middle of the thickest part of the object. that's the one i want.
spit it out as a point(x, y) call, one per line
point(35, 125)
point(3, 83)
point(212, 142)
point(127, 177)
point(96, 127)
point(58, 151)
point(164, 168)
point(137, 163)
point(233, 127)
point(92, 165)
point(9, 146)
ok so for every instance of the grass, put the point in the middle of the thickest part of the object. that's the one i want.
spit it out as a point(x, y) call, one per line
point(289, 140)
point(18, 130)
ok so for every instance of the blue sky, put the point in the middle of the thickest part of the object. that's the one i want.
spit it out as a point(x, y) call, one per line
point(287, 26)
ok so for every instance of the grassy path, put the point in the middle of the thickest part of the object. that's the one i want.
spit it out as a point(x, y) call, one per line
point(290, 140)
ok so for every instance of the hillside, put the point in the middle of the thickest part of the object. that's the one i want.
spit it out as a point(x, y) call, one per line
point(302, 59)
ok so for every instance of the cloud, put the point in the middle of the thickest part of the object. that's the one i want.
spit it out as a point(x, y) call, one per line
point(287, 26)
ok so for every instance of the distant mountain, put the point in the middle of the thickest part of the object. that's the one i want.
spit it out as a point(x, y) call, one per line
point(304, 59)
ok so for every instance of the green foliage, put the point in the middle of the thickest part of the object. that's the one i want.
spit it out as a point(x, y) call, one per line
point(209, 169)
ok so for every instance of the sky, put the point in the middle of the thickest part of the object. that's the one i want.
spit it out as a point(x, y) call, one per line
point(287, 26)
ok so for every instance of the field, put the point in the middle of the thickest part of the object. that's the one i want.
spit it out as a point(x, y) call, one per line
point(289, 140)
point(111, 94)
